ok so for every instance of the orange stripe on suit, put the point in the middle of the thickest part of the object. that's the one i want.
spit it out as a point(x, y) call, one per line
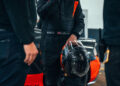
point(75, 7)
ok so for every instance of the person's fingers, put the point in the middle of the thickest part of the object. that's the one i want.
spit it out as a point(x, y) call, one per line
point(66, 43)
point(31, 53)
point(27, 58)
point(32, 58)
point(69, 42)
point(74, 43)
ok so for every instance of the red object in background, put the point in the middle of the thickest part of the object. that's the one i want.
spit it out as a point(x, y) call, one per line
point(34, 80)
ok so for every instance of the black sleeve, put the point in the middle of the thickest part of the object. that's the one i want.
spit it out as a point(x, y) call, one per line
point(19, 15)
point(78, 22)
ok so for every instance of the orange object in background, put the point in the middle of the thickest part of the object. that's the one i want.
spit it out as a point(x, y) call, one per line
point(94, 68)
point(34, 80)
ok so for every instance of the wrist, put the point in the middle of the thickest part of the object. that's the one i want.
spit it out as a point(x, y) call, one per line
point(76, 34)
point(31, 43)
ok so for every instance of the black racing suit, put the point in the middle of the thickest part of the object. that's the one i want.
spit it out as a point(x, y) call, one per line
point(112, 40)
point(59, 20)
point(17, 21)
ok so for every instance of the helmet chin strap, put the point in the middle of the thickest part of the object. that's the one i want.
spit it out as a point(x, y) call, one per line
point(79, 43)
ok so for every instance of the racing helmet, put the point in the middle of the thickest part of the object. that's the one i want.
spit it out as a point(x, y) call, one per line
point(74, 59)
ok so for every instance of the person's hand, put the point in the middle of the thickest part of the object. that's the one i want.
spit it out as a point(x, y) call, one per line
point(31, 53)
point(71, 39)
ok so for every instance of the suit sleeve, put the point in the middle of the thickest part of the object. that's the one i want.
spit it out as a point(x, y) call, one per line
point(78, 22)
point(19, 15)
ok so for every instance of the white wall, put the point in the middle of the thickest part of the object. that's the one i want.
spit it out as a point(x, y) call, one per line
point(95, 12)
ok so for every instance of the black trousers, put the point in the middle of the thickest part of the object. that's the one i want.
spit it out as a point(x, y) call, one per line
point(13, 70)
point(112, 68)
point(51, 48)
